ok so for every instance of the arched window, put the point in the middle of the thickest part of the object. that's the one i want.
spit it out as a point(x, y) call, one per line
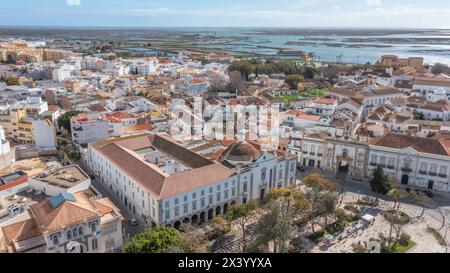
point(80, 231)
point(94, 226)
point(69, 235)
point(75, 232)
point(55, 239)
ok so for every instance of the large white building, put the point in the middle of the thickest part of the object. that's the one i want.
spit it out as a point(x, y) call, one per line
point(414, 161)
point(163, 183)
point(421, 162)
point(426, 85)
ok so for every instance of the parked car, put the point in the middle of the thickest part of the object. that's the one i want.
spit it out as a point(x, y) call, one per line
point(37, 192)
point(133, 222)
point(429, 194)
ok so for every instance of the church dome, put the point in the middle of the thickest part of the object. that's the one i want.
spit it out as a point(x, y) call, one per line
point(245, 149)
point(242, 152)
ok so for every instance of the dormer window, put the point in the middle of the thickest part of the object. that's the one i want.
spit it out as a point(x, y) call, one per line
point(75, 232)
point(80, 231)
point(69, 235)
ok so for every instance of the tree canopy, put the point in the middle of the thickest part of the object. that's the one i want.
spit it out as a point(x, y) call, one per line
point(317, 182)
point(242, 213)
point(380, 182)
point(155, 240)
point(64, 119)
point(269, 67)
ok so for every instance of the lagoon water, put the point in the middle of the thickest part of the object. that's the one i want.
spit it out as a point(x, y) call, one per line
point(345, 45)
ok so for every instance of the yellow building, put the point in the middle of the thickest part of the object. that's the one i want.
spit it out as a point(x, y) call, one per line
point(56, 55)
point(18, 126)
point(3, 55)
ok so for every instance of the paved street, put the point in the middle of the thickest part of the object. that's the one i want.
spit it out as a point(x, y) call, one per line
point(129, 230)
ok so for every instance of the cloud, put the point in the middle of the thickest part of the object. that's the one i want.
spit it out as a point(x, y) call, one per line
point(163, 9)
point(373, 2)
point(337, 7)
point(73, 2)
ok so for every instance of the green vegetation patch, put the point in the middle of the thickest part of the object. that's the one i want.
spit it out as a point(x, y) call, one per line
point(403, 248)
point(397, 217)
point(437, 236)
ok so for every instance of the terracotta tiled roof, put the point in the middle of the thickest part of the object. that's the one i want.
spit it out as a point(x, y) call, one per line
point(21, 231)
point(423, 145)
point(193, 179)
point(326, 101)
point(66, 214)
point(434, 81)
point(139, 170)
point(352, 102)
point(122, 154)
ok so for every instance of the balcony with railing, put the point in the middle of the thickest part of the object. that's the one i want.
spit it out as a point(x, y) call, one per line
point(373, 164)
point(390, 167)
point(319, 154)
point(423, 172)
point(443, 175)
point(432, 174)
point(406, 169)
point(312, 153)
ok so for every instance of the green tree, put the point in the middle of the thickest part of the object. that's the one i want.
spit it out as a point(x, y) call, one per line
point(328, 204)
point(276, 226)
point(292, 200)
point(396, 193)
point(242, 214)
point(379, 182)
point(293, 81)
point(221, 226)
point(64, 119)
point(155, 240)
point(11, 81)
point(420, 199)
point(299, 244)
point(439, 68)
point(310, 72)
point(244, 67)
point(319, 195)
point(317, 182)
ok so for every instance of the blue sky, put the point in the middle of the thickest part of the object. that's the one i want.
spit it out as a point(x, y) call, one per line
point(233, 13)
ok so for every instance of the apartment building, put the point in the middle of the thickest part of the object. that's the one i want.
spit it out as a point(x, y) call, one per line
point(89, 128)
point(17, 124)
